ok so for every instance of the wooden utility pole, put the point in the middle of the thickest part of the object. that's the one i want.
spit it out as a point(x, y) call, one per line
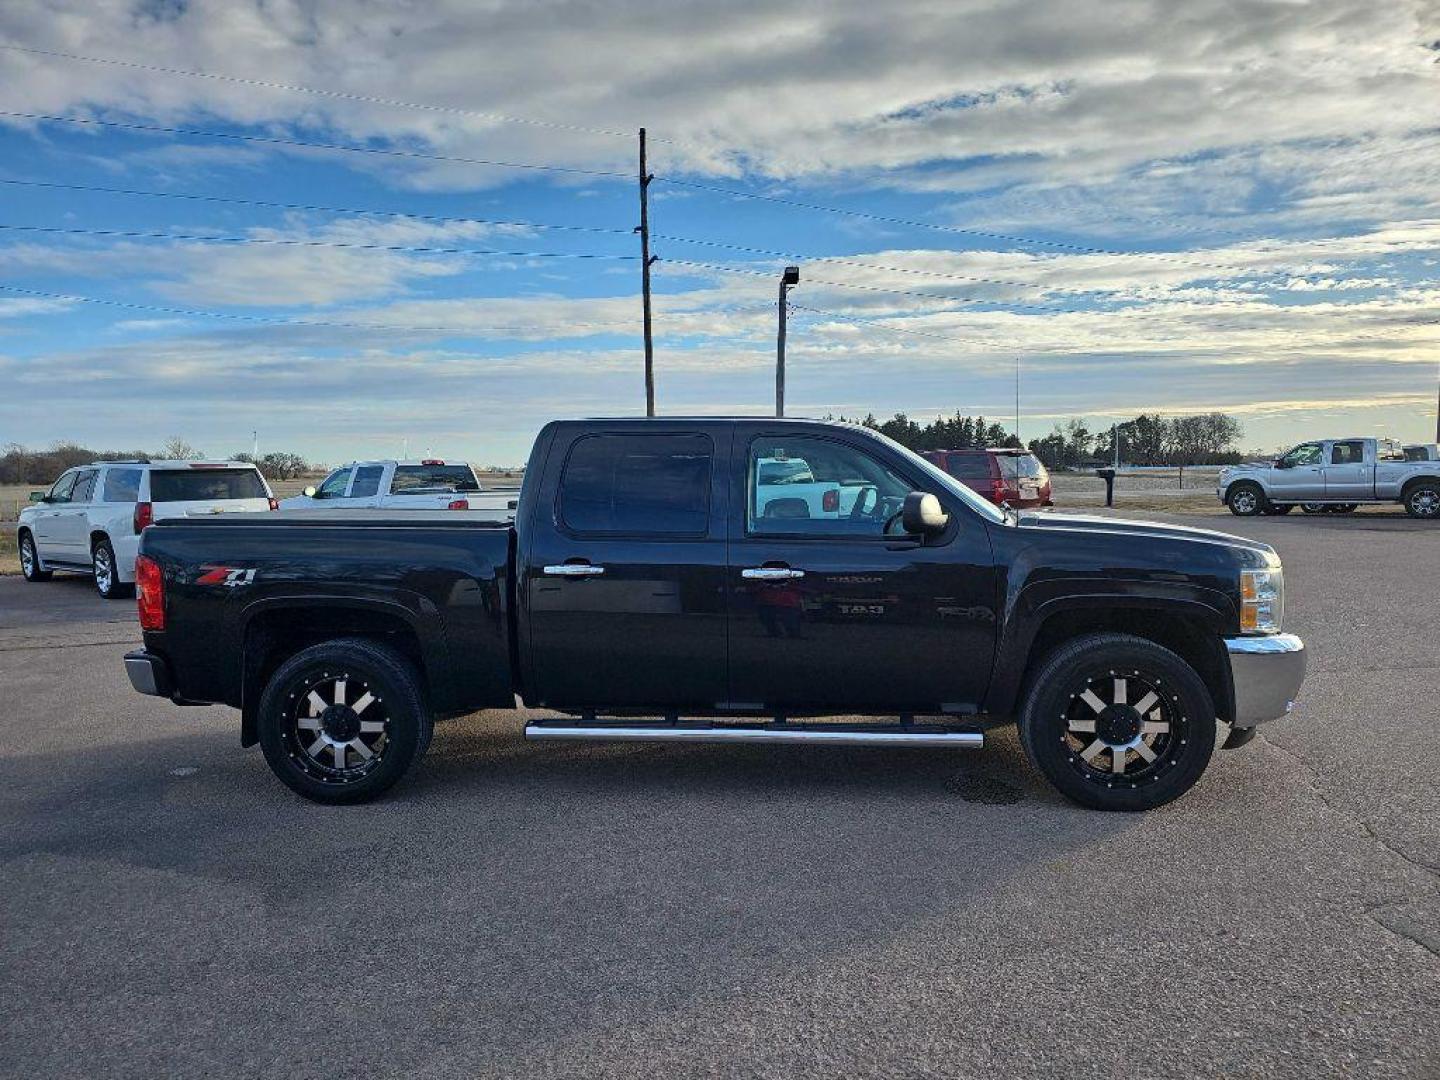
point(645, 261)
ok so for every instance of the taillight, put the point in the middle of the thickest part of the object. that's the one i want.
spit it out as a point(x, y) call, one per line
point(459, 504)
point(830, 501)
point(997, 490)
point(144, 515)
point(273, 504)
point(149, 593)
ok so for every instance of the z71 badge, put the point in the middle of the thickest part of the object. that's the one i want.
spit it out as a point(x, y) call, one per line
point(229, 576)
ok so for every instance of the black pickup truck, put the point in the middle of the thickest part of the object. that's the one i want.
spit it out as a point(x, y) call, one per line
point(723, 580)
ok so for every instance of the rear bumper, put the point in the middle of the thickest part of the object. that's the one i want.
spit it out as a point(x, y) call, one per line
point(1267, 673)
point(149, 674)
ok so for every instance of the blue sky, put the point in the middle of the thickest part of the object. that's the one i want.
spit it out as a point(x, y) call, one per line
point(1231, 206)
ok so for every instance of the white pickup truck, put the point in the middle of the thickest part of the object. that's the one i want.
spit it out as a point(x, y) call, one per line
point(431, 484)
point(1334, 476)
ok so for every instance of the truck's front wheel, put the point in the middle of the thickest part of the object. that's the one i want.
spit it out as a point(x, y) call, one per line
point(342, 721)
point(1245, 499)
point(1118, 722)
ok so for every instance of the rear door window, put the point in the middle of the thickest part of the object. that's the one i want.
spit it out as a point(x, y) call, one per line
point(968, 466)
point(121, 485)
point(205, 485)
point(637, 485)
point(367, 481)
point(413, 478)
point(1347, 453)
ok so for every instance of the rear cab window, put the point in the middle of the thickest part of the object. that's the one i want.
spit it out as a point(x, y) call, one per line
point(205, 485)
point(637, 485)
point(414, 478)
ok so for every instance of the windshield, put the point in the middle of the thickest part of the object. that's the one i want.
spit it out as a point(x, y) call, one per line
point(948, 483)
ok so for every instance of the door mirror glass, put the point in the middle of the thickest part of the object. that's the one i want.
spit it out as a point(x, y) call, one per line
point(922, 514)
point(309, 491)
point(37, 496)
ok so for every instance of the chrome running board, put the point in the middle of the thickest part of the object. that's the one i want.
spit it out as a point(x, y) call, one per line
point(829, 734)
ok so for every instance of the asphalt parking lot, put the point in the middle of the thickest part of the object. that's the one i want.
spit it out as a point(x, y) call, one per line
point(518, 910)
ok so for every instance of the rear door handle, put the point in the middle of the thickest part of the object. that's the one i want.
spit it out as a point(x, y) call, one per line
point(574, 570)
point(771, 573)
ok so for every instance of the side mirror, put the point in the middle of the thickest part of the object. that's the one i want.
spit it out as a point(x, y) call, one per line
point(38, 496)
point(1281, 463)
point(309, 492)
point(922, 515)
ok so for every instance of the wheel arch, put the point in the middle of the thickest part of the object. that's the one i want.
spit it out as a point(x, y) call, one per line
point(1190, 629)
point(1414, 481)
point(276, 632)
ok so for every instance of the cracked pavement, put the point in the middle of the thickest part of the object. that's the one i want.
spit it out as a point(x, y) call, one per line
point(519, 910)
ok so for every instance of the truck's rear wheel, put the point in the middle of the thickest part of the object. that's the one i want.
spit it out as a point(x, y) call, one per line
point(1245, 499)
point(342, 721)
point(1118, 722)
point(1422, 500)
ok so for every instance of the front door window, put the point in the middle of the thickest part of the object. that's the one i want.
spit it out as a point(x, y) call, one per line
point(806, 486)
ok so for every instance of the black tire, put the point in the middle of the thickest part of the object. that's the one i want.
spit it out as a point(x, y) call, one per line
point(30, 559)
point(352, 669)
point(1342, 508)
point(1245, 499)
point(1422, 500)
point(107, 580)
point(1056, 707)
point(1278, 509)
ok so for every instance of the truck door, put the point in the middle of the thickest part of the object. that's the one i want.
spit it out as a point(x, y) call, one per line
point(835, 611)
point(622, 585)
point(1299, 474)
point(48, 531)
point(72, 521)
point(1348, 475)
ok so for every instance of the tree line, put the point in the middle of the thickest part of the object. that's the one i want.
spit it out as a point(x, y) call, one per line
point(21, 465)
point(1148, 439)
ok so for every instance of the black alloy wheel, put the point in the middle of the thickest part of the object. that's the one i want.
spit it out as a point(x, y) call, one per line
point(342, 721)
point(1118, 722)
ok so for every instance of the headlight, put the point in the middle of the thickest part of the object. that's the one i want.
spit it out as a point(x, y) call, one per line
point(1262, 601)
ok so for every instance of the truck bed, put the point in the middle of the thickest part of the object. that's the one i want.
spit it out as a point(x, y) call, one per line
point(437, 582)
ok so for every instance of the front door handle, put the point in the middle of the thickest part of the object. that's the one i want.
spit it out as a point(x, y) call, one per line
point(574, 570)
point(771, 573)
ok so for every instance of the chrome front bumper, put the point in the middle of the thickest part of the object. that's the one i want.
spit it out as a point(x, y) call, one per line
point(1267, 672)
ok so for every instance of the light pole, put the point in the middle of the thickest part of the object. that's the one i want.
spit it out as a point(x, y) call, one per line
point(790, 277)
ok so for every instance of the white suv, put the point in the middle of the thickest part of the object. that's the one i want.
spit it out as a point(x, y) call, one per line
point(92, 517)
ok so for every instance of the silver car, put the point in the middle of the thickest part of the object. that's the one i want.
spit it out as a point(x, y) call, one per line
point(1333, 476)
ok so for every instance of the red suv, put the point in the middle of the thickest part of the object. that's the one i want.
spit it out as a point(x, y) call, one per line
point(1001, 475)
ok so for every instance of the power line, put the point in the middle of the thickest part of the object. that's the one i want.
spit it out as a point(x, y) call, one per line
point(1082, 249)
point(843, 260)
point(944, 298)
point(271, 140)
point(342, 95)
point(193, 313)
point(312, 208)
point(417, 249)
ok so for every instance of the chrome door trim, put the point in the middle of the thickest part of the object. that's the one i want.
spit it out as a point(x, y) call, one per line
point(771, 573)
point(573, 570)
